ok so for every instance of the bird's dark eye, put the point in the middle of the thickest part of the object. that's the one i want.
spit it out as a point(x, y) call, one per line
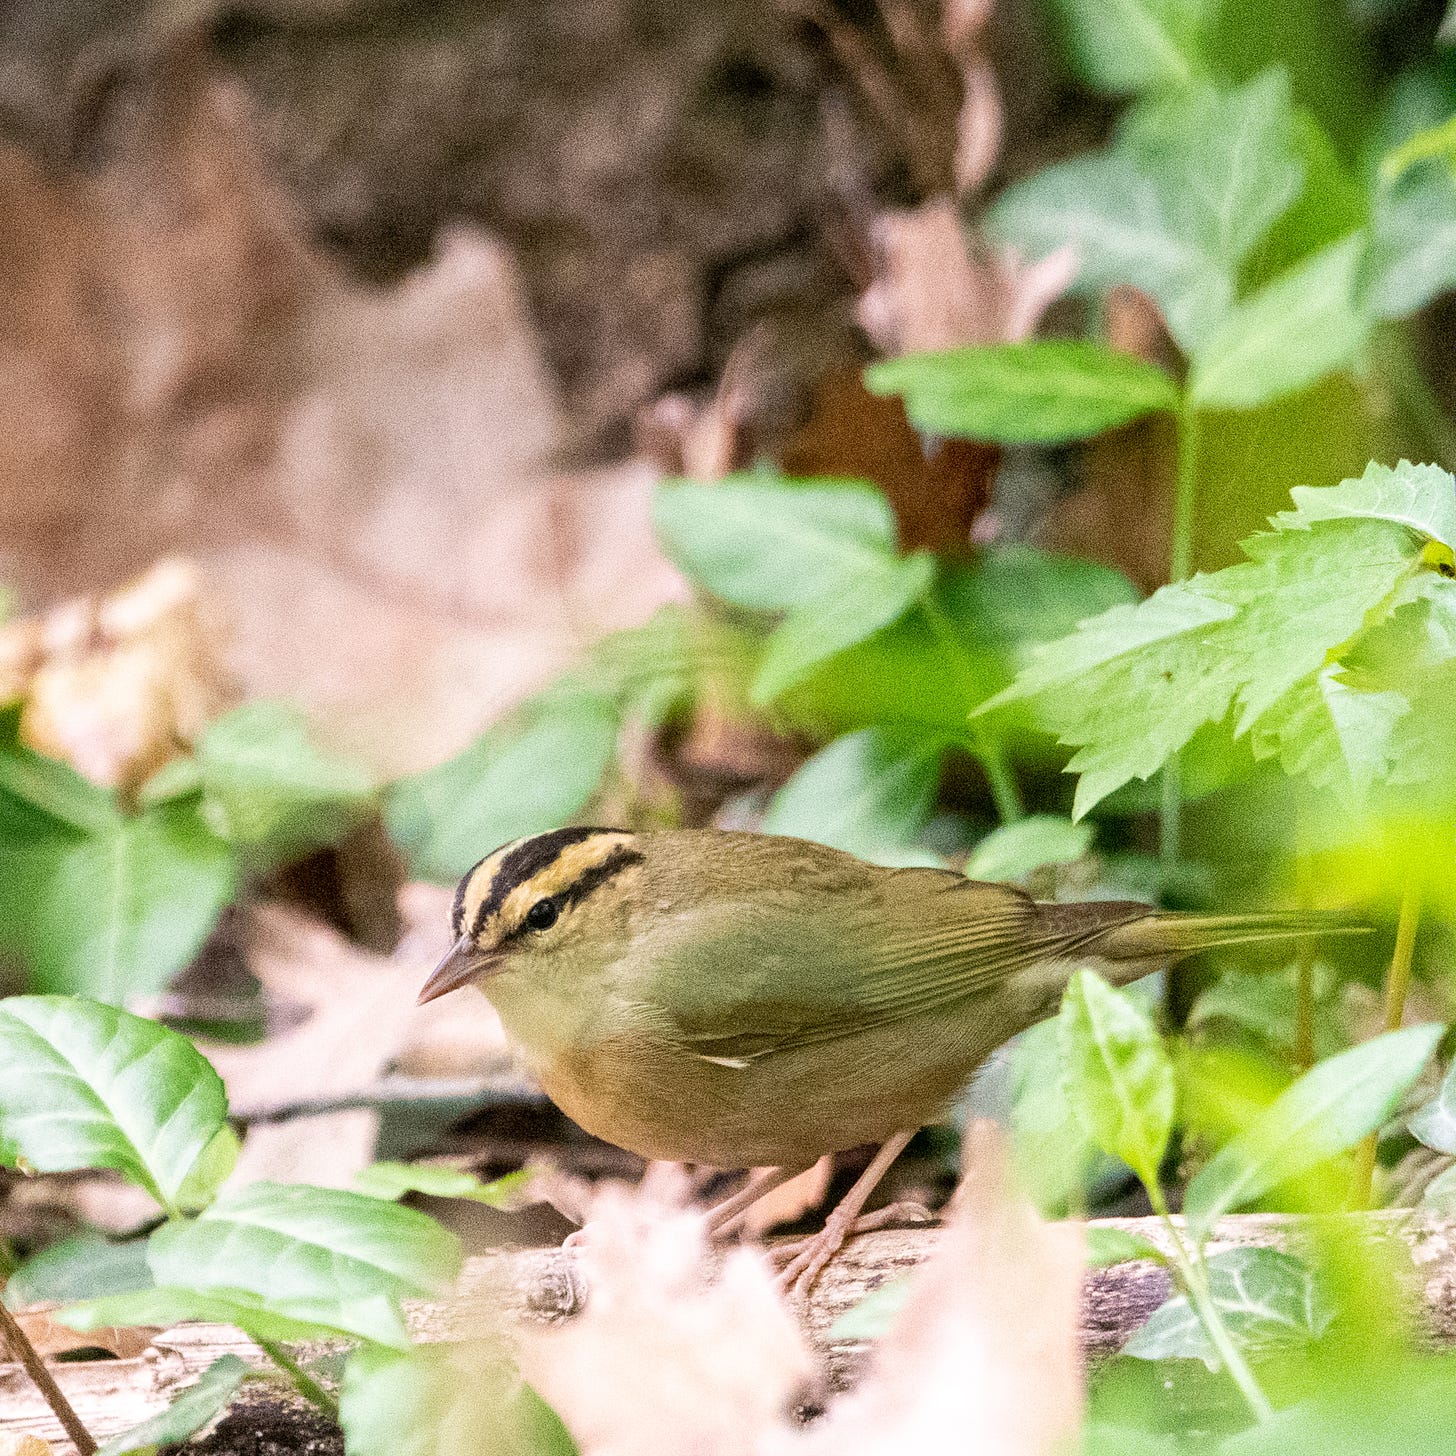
point(543, 914)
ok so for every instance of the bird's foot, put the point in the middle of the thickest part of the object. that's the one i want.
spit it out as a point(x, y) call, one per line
point(802, 1261)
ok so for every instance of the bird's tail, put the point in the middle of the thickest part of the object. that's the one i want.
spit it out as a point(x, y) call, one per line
point(1167, 935)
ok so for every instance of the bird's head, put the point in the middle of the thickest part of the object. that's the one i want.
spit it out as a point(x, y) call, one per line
point(546, 897)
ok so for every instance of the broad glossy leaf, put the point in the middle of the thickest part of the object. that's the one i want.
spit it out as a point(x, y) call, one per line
point(1435, 1123)
point(773, 544)
point(56, 790)
point(1118, 1074)
point(394, 1180)
point(1107, 1245)
point(1041, 392)
point(1326, 1111)
point(870, 793)
point(118, 912)
point(1027, 844)
point(81, 1267)
point(1056, 1160)
point(859, 607)
point(1265, 1297)
point(521, 778)
point(318, 1255)
point(376, 1318)
point(444, 1400)
point(1292, 332)
point(195, 1407)
point(1133, 45)
point(84, 1085)
point(212, 1169)
point(268, 786)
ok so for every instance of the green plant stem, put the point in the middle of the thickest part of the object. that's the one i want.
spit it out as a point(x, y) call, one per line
point(1188, 1265)
point(21, 1348)
point(1397, 985)
point(983, 743)
point(303, 1382)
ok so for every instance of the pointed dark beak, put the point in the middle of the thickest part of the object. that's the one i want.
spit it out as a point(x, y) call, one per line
point(462, 963)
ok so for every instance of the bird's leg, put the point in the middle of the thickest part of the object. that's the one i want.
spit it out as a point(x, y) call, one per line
point(808, 1263)
point(722, 1216)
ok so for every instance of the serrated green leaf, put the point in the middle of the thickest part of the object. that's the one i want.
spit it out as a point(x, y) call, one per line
point(1292, 332)
point(869, 793)
point(1133, 45)
point(394, 1180)
point(1027, 844)
point(772, 544)
point(321, 1256)
point(115, 913)
point(533, 774)
point(1435, 1123)
point(1042, 392)
point(1326, 1111)
point(196, 1406)
point(84, 1085)
point(859, 607)
point(444, 1400)
point(1422, 497)
point(1107, 1245)
point(268, 787)
point(1119, 1077)
point(1265, 1298)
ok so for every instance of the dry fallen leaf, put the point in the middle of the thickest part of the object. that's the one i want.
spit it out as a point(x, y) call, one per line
point(53, 1338)
point(13, 1445)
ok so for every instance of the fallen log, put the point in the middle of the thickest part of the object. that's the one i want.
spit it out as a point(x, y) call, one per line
point(545, 1286)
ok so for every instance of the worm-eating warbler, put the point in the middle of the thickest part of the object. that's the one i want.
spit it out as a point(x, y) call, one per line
point(743, 1000)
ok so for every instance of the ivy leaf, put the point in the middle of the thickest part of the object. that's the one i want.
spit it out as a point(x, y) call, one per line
point(1264, 1296)
point(1118, 1074)
point(319, 1256)
point(533, 774)
point(1108, 1245)
point(1026, 393)
point(863, 603)
point(195, 1407)
point(84, 1085)
point(444, 1400)
point(1291, 333)
point(268, 787)
point(1326, 1111)
point(115, 912)
point(1435, 1123)
point(1133, 45)
point(870, 793)
point(771, 544)
point(1016, 849)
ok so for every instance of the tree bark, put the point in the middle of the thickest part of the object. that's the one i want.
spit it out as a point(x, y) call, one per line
point(545, 1286)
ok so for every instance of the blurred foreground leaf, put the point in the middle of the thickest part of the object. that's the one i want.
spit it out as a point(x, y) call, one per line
point(197, 1405)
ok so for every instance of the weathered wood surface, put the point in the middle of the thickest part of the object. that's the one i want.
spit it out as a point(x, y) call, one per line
point(544, 1286)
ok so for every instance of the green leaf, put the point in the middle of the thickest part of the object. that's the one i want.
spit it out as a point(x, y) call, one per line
point(1412, 253)
point(394, 1180)
point(1430, 143)
point(1108, 1245)
point(197, 1406)
point(875, 1313)
point(117, 912)
point(1119, 1077)
point(267, 786)
point(1292, 332)
point(1027, 393)
point(858, 608)
point(444, 1400)
point(1264, 1296)
point(320, 1256)
point(79, 1267)
point(212, 1169)
point(83, 1085)
point(1130, 688)
point(1435, 1123)
point(1326, 1111)
point(1016, 849)
point(773, 544)
point(1263, 1006)
point(534, 774)
point(1191, 186)
point(375, 1318)
point(56, 790)
point(1133, 45)
point(870, 793)
point(1056, 1160)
